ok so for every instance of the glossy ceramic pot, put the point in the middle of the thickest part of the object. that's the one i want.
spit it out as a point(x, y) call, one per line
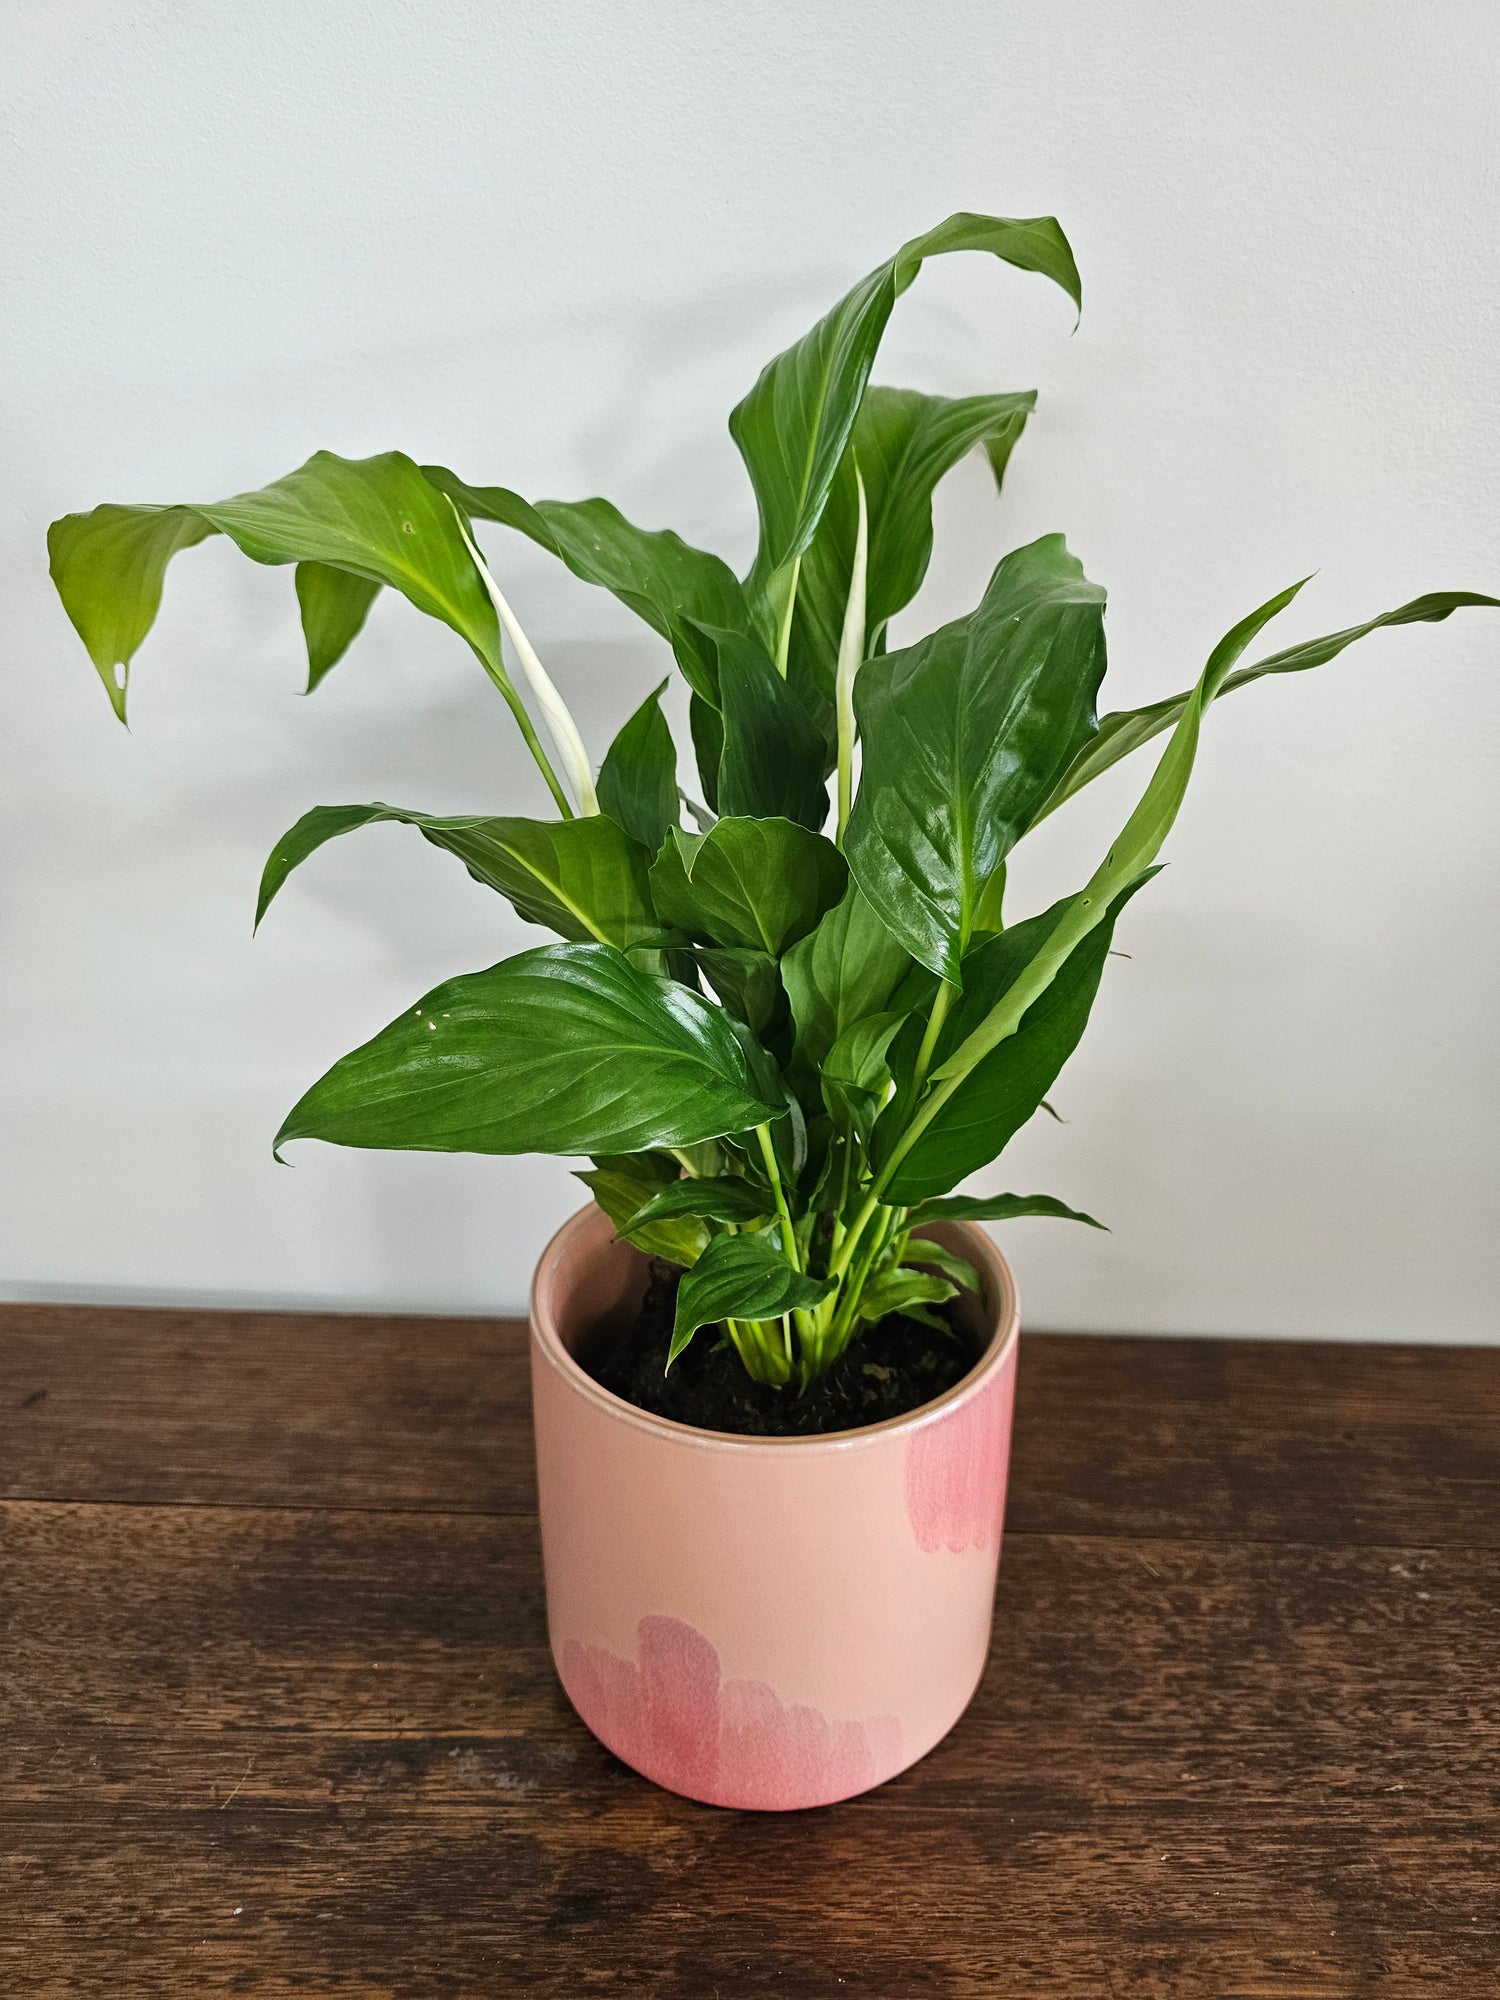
point(764, 1622)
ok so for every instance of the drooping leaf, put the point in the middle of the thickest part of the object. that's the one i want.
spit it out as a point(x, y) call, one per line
point(334, 604)
point(795, 423)
point(108, 567)
point(741, 1277)
point(661, 578)
point(1127, 729)
point(998, 1208)
point(375, 518)
point(1003, 1090)
point(847, 968)
point(755, 884)
point(638, 778)
point(903, 442)
point(723, 1198)
point(964, 735)
point(566, 1049)
point(621, 1183)
point(773, 759)
point(583, 878)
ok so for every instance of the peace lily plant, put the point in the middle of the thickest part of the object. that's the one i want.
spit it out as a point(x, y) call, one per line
point(783, 1042)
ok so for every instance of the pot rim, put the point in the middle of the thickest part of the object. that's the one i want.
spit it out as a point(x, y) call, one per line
point(1002, 1307)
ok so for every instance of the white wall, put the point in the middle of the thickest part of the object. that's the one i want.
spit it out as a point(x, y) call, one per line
point(551, 246)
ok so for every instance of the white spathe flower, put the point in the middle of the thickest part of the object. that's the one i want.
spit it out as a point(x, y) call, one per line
point(560, 724)
point(851, 655)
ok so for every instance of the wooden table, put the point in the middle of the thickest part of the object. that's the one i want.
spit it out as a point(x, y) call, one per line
point(278, 1716)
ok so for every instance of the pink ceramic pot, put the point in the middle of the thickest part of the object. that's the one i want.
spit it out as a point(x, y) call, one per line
point(763, 1622)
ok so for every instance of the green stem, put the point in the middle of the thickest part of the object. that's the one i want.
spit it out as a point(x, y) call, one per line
point(844, 1255)
point(847, 1318)
point(942, 1000)
point(507, 687)
point(784, 1214)
point(784, 630)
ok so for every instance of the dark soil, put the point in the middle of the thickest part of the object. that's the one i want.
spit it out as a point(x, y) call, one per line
point(893, 1367)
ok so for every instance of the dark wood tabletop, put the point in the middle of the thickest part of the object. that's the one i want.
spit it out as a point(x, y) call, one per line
point(277, 1715)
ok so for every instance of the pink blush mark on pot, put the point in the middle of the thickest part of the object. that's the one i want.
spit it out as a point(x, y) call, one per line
point(955, 1472)
point(729, 1743)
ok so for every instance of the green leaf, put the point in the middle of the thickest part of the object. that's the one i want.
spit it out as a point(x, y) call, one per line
point(583, 878)
point(1127, 860)
point(773, 760)
point(849, 967)
point(1127, 729)
point(706, 726)
point(660, 577)
point(566, 1049)
point(795, 423)
point(965, 734)
point(622, 1182)
point(998, 1208)
point(1003, 1090)
point(638, 778)
point(376, 518)
point(755, 884)
point(856, 1073)
point(741, 1277)
point(896, 1290)
point(926, 1250)
point(748, 983)
point(903, 442)
point(334, 604)
point(724, 1198)
point(108, 567)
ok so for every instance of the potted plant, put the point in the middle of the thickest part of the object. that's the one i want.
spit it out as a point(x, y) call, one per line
point(773, 1361)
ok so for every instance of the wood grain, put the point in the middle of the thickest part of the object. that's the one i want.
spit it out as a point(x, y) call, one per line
point(1277, 1441)
point(278, 1716)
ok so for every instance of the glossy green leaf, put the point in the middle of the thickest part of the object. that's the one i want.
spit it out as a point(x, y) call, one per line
point(334, 604)
point(566, 1049)
point(903, 442)
point(376, 518)
point(663, 579)
point(721, 1198)
point(706, 726)
point(748, 983)
point(856, 1073)
point(846, 969)
point(795, 423)
point(1003, 1090)
point(773, 759)
point(1127, 729)
point(622, 1183)
point(1067, 927)
point(999, 1208)
point(741, 1277)
point(583, 878)
point(638, 778)
point(965, 734)
point(755, 884)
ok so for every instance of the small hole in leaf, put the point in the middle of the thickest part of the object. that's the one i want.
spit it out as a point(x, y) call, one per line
point(407, 528)
point(117, 672)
